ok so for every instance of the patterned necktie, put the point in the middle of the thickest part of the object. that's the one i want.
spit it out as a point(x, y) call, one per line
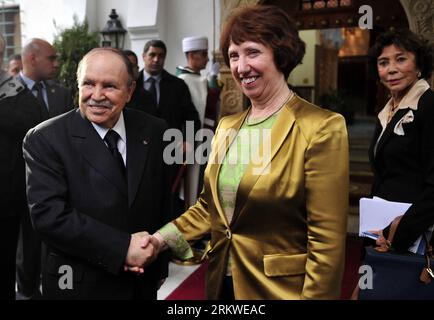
point(153, 90)
point(111, 138)
point(39, 96)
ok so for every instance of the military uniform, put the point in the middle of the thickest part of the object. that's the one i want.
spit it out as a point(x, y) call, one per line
point(205, 99)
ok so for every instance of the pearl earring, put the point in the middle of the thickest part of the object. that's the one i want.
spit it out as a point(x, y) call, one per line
point(419, 74)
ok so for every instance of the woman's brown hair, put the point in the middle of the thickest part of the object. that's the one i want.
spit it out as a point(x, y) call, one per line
point(270, 26)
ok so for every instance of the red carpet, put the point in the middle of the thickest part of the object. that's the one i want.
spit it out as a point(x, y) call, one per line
point(352, 264)
point(193, 288)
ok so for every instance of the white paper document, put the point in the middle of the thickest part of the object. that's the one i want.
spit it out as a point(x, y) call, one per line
point(377, 213)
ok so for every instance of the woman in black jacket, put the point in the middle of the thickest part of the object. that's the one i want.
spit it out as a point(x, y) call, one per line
point(402, 149)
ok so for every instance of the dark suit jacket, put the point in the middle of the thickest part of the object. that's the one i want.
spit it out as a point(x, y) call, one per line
point(85, 211)
point(404, 169)
point(17, 115)
point(59, 98)
point(175, 106)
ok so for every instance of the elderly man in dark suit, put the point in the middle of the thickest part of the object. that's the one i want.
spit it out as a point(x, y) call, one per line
point(40, 65)
point(95, 179)
point(161, 94)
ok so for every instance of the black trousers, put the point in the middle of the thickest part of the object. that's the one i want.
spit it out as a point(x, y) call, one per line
point(102, 289)
point(9, 228)
point(28, 260)
point(227, 293)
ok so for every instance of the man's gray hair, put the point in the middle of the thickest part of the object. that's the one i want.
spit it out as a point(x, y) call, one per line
point(119, 53)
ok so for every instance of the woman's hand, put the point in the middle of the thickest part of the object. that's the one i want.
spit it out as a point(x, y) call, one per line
point(382, 243)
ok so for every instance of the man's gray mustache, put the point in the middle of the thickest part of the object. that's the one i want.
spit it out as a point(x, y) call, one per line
point(93, 103)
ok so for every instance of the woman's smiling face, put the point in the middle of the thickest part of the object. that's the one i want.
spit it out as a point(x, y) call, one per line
point(253, 68)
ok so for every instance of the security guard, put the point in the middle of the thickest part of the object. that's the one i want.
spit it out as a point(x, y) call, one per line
point(18, 114)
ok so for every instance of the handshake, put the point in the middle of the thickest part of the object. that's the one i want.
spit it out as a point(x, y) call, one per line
point(143, 250)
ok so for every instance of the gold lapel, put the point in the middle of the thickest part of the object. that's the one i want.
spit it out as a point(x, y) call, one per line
point(279, 132)
point(225, 135)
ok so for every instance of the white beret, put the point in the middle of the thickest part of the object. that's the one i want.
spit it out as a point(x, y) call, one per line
point(194, 44)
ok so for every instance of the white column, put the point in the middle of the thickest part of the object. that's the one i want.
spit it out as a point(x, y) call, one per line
point(142, 24)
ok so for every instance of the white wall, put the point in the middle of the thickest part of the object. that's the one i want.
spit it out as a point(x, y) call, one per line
point(141, 18)
point(145, 22)
point(168, 20)
point(186, 18)
point(304, 74)
point(92, 15)
point(103, 9)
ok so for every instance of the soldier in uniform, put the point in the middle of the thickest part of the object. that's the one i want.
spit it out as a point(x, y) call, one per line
point(205, 95)
point(18, 113)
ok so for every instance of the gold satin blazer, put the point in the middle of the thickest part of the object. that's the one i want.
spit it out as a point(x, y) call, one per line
point(287, 236)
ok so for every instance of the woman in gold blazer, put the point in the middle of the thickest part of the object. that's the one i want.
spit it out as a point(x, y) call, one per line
point(283, 237)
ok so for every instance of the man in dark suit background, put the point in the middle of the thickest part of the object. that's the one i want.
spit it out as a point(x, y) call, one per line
point(18, 113)
point(161, 94)
point(40, 66)
point(95, 179)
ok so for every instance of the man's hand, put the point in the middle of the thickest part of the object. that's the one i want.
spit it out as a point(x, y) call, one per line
point(142, 251)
